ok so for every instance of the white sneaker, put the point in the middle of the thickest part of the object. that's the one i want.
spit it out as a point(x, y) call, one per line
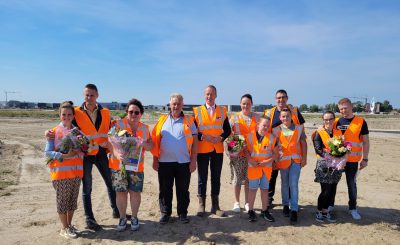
point(246, 207)
point(236, 207)
point(67, 233)
point(135, 224)
point(354, 213)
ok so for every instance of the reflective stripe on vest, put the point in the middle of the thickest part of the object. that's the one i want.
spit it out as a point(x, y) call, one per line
point(352, 135)
point(141, 132)
point(156, 134)
point(210, 126)
point(66, 168)
point(288, 153)
point(324, 135)
point(259, 152)
point(213, 126)
point(97, 137)
point(70, 167)
point(271, 113)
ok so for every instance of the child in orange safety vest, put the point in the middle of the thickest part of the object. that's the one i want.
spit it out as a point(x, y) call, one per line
point(260, 154)
point(66, 171)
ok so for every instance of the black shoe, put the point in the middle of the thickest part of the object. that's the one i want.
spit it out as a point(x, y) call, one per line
point(293, 217)
point(252, 216)
point(286, 211)
point(91, 224)
point(115, 214)
point(164, 219)
point(267, 216)
point(183, 218)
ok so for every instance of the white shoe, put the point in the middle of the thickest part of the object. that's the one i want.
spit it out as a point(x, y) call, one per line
point(67, 233)
point(246, 207)
point(236, 207)
point(354, 213)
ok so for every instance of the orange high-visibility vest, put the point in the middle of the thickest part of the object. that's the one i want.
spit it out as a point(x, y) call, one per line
point(291, 150)
point(271, 112)
point(142, 132)
point(96, 137)
point(156, 134)
point(352, 134)
point(210, 126)
point(325, 137)
point(240, 126)
point(70, 167)
point(260, 151)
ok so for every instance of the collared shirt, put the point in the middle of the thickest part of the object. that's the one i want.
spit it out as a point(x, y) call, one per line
point(209, 108)
point(92, 114)
point(173, 147)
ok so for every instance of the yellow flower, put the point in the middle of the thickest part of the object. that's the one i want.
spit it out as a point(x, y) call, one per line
point(122, 132)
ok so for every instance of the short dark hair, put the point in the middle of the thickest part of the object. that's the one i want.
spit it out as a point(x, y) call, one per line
point(91, 86)
point(136, 103)
point(213, 87)
point(247, 96)
point(328, 112)
point(67, 105)
point(286, 110)
point(281, 91)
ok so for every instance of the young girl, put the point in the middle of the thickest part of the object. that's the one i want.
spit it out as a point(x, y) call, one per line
point(260, 145)
point(66, 171)
point(293, 156)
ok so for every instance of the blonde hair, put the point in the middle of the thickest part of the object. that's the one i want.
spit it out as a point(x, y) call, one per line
point(344, 101)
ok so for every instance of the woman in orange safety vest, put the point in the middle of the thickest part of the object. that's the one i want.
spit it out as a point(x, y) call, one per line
point(66, 171)
point(242, 123)
point(132, 181)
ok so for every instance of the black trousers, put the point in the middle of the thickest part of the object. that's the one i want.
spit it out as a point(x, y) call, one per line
point(327, 195)
point(272, 183)
point(351, 172)
point(167, 173)
point(214, 160)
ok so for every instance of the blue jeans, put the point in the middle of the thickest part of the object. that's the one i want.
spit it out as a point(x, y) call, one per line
point(290, 180)
point(101, 162)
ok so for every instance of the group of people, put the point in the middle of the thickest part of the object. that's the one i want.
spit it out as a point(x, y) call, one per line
point(181, 143)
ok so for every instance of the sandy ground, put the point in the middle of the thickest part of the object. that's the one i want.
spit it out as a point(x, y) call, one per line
point(28, 209)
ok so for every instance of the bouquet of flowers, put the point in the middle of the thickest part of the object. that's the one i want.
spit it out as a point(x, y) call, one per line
point(73, 140)
point(127, 146)
point(338, 149)
point(236, 144)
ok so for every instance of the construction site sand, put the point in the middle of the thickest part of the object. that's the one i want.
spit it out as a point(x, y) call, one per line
point(28, 210)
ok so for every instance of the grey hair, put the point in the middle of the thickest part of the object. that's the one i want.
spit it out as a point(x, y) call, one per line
point(176, 95)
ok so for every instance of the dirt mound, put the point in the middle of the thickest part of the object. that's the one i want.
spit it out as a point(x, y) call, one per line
point(10, 165)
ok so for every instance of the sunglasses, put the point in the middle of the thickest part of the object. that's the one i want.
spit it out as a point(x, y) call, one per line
point(282, 97)
point(134, 112)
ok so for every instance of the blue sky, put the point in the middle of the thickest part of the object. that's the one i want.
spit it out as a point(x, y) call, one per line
point(148, 49)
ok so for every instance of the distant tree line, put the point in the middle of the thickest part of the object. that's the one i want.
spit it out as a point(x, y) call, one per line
point(358, 106)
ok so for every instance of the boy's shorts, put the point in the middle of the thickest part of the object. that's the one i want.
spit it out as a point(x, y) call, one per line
point(262, 182)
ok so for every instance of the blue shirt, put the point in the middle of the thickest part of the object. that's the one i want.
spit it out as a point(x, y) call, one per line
point(173, 147)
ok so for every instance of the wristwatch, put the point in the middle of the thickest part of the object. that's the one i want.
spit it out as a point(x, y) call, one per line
point(365, 160)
